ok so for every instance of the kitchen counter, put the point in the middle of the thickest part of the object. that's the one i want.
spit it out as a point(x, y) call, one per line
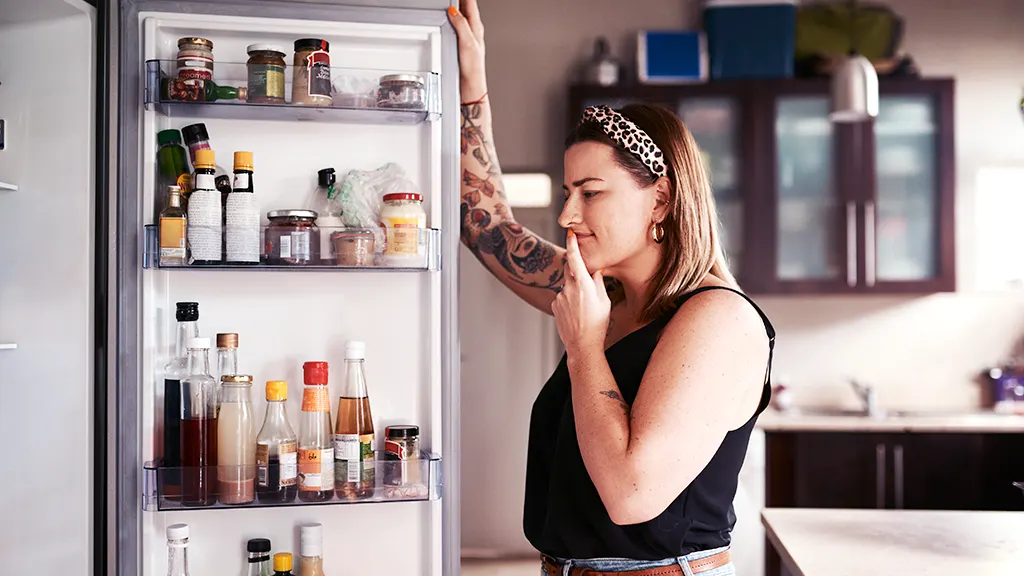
point(833, 542)
point(772, 420)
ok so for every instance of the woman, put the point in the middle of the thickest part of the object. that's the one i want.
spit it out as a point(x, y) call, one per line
point(637, 439)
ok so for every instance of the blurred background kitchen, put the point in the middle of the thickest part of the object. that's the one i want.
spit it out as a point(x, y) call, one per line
point(882, 241)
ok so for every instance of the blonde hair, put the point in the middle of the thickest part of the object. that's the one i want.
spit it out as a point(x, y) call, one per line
point(691, 248)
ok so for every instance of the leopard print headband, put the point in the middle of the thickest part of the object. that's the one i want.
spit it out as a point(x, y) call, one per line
point(628, 135)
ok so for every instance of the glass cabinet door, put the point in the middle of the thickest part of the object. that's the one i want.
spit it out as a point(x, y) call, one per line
point(714, 122)
point(905, 224)
point(807, 226)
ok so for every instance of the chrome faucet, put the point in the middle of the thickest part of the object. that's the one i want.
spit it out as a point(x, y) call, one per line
point(868, 397)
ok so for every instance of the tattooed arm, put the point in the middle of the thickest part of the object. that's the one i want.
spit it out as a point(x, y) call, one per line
point(529, 265)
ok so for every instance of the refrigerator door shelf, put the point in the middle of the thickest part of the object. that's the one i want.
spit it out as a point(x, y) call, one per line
point(428, 257)
point(354, 92)
point(396, 481)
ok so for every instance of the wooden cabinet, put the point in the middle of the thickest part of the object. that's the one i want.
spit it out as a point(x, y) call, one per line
point(812, 207)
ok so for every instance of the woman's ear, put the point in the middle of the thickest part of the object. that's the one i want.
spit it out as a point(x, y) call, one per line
point(662, 198)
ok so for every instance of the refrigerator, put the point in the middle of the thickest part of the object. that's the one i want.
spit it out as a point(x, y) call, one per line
point(284, 315)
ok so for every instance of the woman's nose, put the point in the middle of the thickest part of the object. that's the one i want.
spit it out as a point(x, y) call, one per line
point(570, 213)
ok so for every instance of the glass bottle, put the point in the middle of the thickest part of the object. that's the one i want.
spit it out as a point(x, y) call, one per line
point(172, 162)
point(198, 427)
point(187, 314)
point(316, 449)
point(227, 355)
point(195, 90)
point(172, 230)
point(236, 442)
point(197, 138)
point(177, 550)
point(327, 205)
point(242, 215)
point(276, 449)
point(205, 213)
point(311, 550)
point(283, 564)
point(355, 476)
point(258, 561)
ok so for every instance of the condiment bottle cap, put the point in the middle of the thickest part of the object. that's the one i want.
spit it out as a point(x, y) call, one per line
point(311, 539)
point(171, 136)
point(187, 311)
point(198, 344)
point(258, 545)
point(401, 431)
point(315, 373)
point(355, 350)
point(282, 562)
point(227, 340)
point(177, 531)
point(205, 158)
point(243, 160)
point(401, 196)
point(326, 177)
point(277, 390)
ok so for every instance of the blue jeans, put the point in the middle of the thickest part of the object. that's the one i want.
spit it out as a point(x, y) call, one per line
point(625, 564)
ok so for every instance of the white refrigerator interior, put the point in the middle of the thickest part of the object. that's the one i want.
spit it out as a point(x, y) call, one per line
point(285, 318)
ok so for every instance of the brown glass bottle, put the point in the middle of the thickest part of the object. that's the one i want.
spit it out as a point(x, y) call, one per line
point(355, 472)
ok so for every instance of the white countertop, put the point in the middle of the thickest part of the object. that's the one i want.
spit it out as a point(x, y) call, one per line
point(773, 421)
point(826, 542)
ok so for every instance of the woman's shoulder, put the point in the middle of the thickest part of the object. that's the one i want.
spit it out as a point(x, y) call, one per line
point(717, 308)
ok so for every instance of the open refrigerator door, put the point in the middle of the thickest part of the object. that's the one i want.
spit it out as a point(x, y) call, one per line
point(372, 98)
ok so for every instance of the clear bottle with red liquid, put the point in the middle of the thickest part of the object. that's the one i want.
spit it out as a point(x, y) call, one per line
point(198, 428)
point(316, 442)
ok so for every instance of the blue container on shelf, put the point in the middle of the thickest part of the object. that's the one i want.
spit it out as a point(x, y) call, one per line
point(671, 56)
point(750, 38)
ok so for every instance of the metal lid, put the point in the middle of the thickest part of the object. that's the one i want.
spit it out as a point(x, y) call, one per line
point(195, 41)
point(402, 431)
point(264, 48)
point(403, 196)
point(227, 340)
point(236, 379)
point(312, 44)
point(401, 78)
point(291, 214)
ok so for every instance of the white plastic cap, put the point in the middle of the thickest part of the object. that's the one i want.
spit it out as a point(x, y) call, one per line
point(311, 540)
point(355, 350)
point(177, 531)
point(198, 344)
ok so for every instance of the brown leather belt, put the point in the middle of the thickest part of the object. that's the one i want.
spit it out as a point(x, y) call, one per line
point(554, 568)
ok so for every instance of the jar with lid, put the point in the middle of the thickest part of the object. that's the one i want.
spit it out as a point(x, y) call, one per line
point(292, 238)
point(195, 58)
point(353, 246)
point(265, 73)
point(403, 91)
point(401, 445)
point(311, 72)
point(403, 218)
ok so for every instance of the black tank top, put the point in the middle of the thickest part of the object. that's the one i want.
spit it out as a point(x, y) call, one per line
point(564, 516)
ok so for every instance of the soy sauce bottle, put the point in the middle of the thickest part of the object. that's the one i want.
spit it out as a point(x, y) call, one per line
point(276, 450)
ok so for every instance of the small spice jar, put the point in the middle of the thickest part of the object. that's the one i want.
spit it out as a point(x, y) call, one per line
point(292, 238)
point(195, 52)
point(401, 454)
point(401, 91)
point(311, 72)
point(403, 218)
point(265, 73)
point(353, 246)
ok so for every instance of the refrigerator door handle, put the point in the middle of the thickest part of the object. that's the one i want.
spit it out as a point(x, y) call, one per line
point(880, 476)
point(870, 266)
point(851, 244)
point(897, 463)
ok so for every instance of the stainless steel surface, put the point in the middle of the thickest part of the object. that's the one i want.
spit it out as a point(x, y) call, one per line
point(870, 259)
point(897, 467)
point(880, 475)
point(851, 244)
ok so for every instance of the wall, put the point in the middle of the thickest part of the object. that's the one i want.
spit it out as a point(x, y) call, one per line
point(919, 351)
point(45, 291)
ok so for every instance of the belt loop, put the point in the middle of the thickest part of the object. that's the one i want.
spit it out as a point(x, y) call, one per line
point(687, 571)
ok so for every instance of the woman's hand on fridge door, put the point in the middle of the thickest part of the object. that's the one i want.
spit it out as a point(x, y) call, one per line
point(470, 31)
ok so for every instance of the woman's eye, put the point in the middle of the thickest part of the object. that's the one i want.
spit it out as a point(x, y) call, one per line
point(589, 194)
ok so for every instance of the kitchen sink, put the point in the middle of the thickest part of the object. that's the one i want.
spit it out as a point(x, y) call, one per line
point(836, 411)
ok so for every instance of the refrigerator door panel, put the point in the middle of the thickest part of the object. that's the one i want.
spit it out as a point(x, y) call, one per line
point(407, 319)
point(46, 295)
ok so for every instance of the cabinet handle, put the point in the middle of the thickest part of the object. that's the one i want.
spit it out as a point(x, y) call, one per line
point(879, 475)
point(897, 463)
point(869, 243)
point(851, 244)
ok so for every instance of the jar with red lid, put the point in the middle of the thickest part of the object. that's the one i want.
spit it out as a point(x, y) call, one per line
point(403, 219)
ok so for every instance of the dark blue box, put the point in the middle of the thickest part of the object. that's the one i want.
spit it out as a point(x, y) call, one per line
point(750, 38)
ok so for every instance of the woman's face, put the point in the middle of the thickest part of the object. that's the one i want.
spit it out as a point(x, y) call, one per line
point(608, 212)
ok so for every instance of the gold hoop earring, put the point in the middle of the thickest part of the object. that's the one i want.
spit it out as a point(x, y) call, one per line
point(658, 233)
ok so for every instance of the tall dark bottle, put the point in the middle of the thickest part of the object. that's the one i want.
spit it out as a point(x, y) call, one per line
point(187, 314)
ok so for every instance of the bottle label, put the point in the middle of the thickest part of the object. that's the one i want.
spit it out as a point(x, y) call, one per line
point(289, 463)
point(172, 237)
point(263, 465)
point(300, 245)
point(316, 399)
point(266, 81)
point(241, 181)
point(319, 73)
point(204, 225)
point(286, 246)
point(315, 469)
point(354, 457)
point(403, 236)
point(243, 226)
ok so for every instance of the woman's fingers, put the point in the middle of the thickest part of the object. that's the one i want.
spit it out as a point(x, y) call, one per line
point(472, 11)
point(461, 25)
point(573, 258)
